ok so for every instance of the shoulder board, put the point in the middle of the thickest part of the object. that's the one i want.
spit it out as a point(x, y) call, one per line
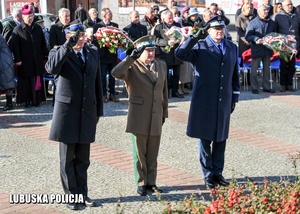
point(93, 47)
point(56, 47)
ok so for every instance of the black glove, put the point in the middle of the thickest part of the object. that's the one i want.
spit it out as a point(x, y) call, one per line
point(201, 33)
point(129, 51)
point(72, 41)
point(163, 120)
point(232, 106)
point(137, 53)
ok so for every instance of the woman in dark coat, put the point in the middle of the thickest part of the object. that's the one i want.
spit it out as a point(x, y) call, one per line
point(29, 49)
point(241, 24)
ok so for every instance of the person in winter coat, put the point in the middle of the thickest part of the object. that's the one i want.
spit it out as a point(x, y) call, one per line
point(215, 92)
point(57, 35)
point(256, 30)
point(287, 22)
point(92, 19)
point(108, 60)
point(241, 25)
point(135, 29)
point(162, 41)
point(7, 82)
point(80, 14)
point(146, 83)
point(7, 35)
point(148, 19)
point(78, 106)
point(29, 49)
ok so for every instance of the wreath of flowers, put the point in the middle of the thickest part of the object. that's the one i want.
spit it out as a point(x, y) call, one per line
point(113, 38)
point(285, 45)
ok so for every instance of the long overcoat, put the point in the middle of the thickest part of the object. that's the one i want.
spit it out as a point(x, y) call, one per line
point(78, 99)
point(216, 86)
point(148, 96)
point(6, 67)
point(30, 48)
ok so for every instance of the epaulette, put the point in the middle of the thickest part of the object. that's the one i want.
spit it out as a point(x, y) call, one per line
point(56, 46)
point(92, 47)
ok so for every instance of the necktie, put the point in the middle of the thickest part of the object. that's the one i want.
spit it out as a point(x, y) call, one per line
point(220, 49)
point(80, 58)
point(148, 66)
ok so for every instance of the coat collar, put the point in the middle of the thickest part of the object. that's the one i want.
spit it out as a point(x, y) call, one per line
point(211, 46)
point(87, 56)
point(152, 74)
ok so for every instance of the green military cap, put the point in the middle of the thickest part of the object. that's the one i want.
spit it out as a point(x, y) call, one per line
point(147, 41)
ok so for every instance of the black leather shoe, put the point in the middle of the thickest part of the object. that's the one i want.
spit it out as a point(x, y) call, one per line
point(72, 206)
point(221, 180)
point(8, 107)
point(283, 88)
point(177, 95)
point(113, 98)
point(269, 90)
point(142, 190)
point(255, 91)
point(27, 105)
point(290, 88)
point(154, 188)
point(89, 202)
point(210, 183)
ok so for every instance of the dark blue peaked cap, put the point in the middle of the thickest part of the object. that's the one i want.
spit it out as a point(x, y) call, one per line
point(74, 28)
point(217, 21)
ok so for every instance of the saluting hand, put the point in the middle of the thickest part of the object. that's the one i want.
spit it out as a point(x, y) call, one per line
point(201, 33)
point(72, 41)
point(135, 54)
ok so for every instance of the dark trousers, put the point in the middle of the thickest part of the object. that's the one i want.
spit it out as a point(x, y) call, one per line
point(173, 80)
point(211, 157)
point(287, 71)
point(106, 70)
point(74, 163)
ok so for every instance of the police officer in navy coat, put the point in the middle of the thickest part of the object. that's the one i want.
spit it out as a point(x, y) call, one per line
point(78, 106)
point(215, 92)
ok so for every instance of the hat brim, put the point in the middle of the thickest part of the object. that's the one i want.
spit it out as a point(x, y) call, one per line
point(218, 26)
point(147, 47)
point(192, 14)
point(150, 47)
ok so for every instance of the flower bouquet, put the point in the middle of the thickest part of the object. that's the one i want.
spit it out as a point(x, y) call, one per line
point(285, 45)
point(113, 38)
point(175, 34)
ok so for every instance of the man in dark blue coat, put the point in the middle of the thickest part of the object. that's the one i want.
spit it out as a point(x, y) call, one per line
point(78, 106)
point(256, 30)
point(215, 92)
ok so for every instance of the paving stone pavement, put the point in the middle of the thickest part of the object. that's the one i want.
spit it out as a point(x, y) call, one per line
point(265, 130)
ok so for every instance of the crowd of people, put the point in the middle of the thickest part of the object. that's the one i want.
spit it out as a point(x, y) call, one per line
point(252, 25)
point(206, 62)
